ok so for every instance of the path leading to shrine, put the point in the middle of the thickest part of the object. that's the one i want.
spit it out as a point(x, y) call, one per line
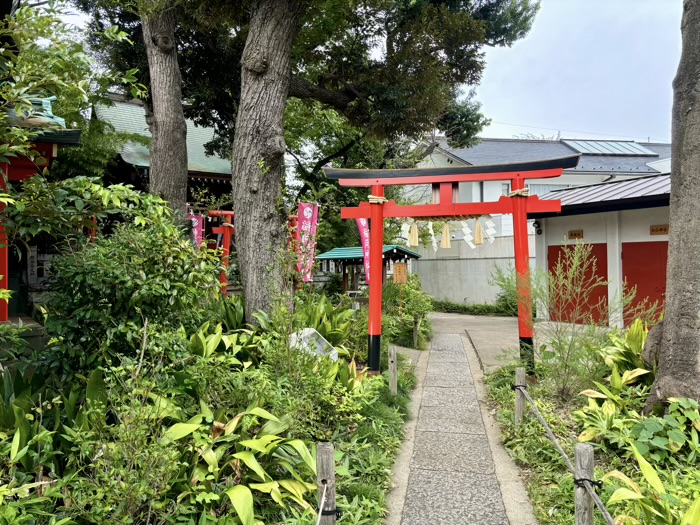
point(453, 469)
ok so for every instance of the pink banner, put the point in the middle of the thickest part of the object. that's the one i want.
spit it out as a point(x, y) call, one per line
point(307, 222)
point(363, 225)
point(197, 229)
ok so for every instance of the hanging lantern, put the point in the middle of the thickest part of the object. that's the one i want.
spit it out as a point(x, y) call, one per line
point(478, 232)
point(445, 241)
point(413, 235)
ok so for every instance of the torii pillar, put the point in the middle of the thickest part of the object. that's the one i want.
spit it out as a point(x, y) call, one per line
point(445, 182)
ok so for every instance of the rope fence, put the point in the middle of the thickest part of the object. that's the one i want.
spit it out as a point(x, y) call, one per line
point(582, 471)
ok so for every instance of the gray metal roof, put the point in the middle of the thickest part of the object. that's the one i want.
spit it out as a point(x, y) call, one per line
point(499, 151)
point(129, 117)
point(640, 188)
point(609, 147)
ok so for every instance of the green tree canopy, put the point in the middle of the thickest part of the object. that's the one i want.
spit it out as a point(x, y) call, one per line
point(392, 68)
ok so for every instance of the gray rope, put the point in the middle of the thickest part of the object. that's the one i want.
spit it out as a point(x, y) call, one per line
point(586, 483)
point(323, 503)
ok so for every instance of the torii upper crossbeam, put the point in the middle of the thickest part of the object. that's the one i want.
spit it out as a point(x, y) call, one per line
point(445, 182)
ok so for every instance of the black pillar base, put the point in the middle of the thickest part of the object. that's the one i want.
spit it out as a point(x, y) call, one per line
point(374, 351)
point(527, 355)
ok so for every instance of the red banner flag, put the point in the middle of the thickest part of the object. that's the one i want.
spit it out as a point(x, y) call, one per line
point(197, 229)
point(307, 222)
point(363, 225)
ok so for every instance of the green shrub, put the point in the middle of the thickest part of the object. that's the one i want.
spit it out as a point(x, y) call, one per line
point(473, 309)
point(507, 299)
point(334, 285)
point(102, 293)
point(402, 305)
point(12, 344)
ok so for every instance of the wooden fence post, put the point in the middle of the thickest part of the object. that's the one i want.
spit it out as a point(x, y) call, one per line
point(325, 475)
point(393, 371)
point(519, 396)
point(416, 330)
point(584, 462)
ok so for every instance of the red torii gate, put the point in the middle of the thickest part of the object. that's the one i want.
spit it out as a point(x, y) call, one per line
point(445, 184)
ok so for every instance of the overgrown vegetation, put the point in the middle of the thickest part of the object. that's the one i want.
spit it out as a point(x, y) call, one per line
point(155, 403)
point(647, 461)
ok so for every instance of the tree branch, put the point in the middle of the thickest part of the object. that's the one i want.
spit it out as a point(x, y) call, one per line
point(322, 162)
point(339, 100)
point(339, 153)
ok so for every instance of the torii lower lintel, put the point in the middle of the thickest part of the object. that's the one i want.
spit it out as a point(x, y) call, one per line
point(445, 182)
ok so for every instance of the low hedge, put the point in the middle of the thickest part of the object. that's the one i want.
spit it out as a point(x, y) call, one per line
point(472, 309)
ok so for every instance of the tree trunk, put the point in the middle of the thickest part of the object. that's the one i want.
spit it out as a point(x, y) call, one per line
point(679, 352)
point(166, 118)
point(258, 151)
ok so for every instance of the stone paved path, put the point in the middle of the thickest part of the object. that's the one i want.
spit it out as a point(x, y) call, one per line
point(452, 480)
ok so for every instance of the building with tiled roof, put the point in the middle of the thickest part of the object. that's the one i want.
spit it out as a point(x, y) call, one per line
point(128, 116)
point(461, 274)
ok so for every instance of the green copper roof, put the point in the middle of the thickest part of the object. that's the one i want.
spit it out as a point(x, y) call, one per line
point(345, 254)
point(129, 117)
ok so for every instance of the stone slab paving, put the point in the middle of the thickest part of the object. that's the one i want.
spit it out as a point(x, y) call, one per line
point(452, 479)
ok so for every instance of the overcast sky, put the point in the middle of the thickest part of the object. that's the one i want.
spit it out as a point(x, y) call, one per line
point(588, 68)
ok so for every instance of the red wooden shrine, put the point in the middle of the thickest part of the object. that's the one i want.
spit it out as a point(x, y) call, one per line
point(445, 184)
point(226, 230)
point(21, 168)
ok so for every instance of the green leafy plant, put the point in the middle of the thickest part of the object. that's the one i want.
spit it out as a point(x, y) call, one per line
point(627, 349)
point(673, 436)
point(403, 306)
point(231, 311)
point(65, 209)
point(652, 503)
point(102, 293)
point(232, 461)
point(332, 322)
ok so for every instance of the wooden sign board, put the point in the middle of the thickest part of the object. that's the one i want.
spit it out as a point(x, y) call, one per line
point(400, 273)
point(658, 229)
point(575, 235)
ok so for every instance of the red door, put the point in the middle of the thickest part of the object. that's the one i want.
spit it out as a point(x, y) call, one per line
point(569, 304)
point(644, 267)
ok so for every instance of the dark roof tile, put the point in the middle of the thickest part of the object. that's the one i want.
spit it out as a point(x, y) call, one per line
point(500, 151)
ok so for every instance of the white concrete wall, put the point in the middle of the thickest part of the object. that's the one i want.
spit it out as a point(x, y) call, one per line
point(460, 274)
point(593, 226)
point(635, 224)
point(610, 228)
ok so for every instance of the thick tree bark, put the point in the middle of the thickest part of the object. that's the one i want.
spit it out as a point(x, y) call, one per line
point(679, 352)
point(166, 119)
point(258, 150)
